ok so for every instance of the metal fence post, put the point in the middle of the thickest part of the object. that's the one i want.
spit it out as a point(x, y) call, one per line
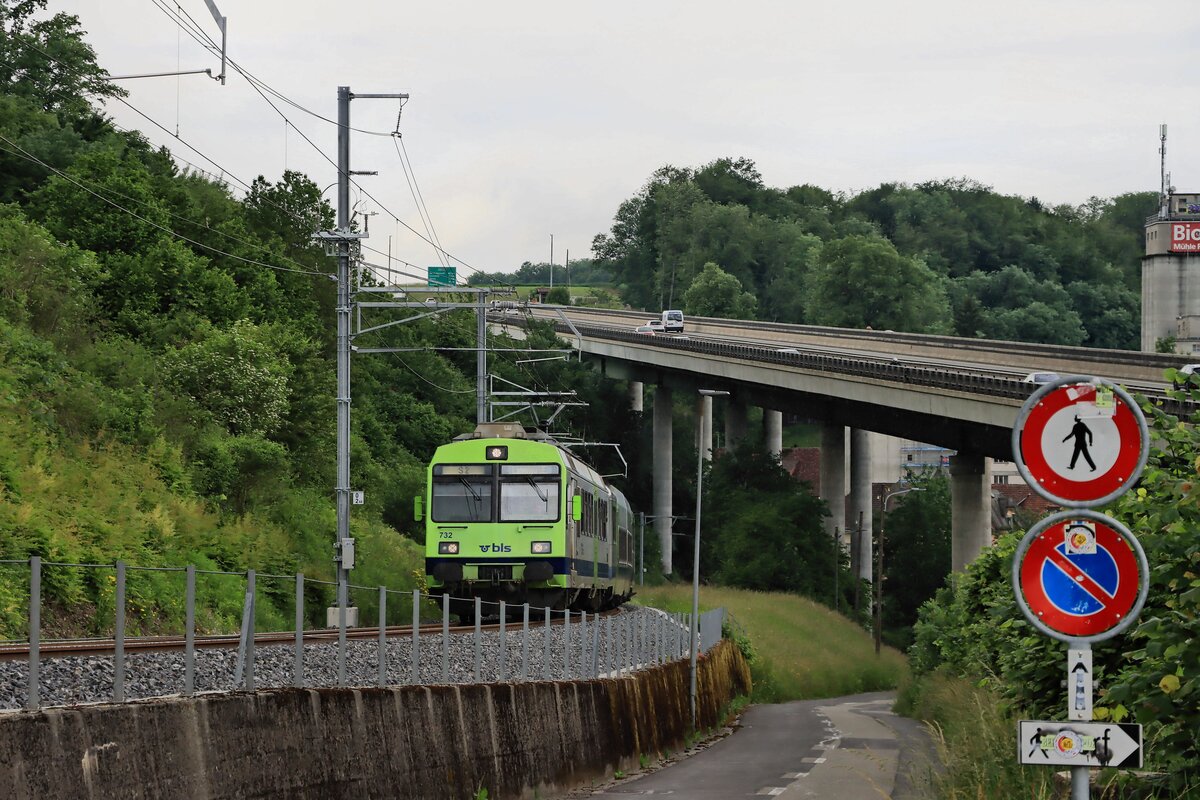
point(298, 670)
point(189, 631)
point(525, 642)
point(445, 637)
point(546, 648)
point(416, 637)
point(596, 646)
point(478, 637)
point(382, 647)
point(567, 644)
point(119, 637)
point(583, 638)
point(33, 693)
point(503, 643)
point(251, 597)
point(607, 645)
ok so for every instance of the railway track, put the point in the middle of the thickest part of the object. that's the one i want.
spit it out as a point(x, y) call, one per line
point(60, 648)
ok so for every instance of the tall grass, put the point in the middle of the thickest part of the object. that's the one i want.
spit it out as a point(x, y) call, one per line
point(802, 650)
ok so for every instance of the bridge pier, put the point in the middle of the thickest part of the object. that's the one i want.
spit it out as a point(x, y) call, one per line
point(970, 507)
point(736, 423)
point(662, 472)
point(833, 477)
point(860, 497)
point(635, 397)
point(773, 431)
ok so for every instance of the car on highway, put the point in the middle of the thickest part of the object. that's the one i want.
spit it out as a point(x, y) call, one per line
point(648, 330)
point(1183, 375)
point(1040, 377)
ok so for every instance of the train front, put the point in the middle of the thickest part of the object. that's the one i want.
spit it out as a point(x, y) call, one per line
point(496, 524)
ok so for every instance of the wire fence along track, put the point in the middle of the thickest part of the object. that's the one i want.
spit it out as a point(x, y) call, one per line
point(524, 643)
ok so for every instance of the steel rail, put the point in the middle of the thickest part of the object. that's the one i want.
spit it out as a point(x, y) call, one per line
point(60, 648)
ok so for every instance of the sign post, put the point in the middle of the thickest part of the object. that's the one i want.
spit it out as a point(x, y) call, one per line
point(1080, 576)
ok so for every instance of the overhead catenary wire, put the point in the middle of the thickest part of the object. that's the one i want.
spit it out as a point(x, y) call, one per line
point(202, 38)
point(197, 32)
point(410, 178)
point(262, 89)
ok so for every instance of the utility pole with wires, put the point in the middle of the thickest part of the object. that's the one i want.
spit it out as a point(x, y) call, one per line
point(343, 240)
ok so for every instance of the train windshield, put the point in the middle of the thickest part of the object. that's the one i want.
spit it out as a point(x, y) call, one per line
point(529, 492)
point(462, 493)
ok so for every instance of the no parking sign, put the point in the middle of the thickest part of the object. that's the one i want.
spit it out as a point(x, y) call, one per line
point(1080, 576)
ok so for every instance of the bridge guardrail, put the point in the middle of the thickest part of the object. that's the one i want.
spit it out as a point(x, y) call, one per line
point(876, 369)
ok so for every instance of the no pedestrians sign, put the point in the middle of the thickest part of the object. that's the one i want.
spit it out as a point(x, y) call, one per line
point(1080, 442)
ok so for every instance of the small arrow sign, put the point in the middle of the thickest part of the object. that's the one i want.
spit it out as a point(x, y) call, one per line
point(1079, 684)
point(1079, 744)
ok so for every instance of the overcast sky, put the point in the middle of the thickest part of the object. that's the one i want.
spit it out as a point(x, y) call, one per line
point(528, 119)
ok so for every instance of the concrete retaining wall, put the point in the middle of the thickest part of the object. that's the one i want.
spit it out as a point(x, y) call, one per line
point(412, 742)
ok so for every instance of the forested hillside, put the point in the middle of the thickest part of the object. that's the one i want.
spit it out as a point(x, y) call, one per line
point(167, 379)
point(947, 256)
point(173, 332)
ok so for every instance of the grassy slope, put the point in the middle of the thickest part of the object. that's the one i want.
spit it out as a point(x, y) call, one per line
point(802, 649)
point(95, 502)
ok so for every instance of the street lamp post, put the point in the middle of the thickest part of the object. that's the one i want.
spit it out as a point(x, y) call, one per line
point(706, 395)
point(878, 615)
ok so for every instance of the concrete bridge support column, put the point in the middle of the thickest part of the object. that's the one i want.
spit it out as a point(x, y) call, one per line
point(736, 424)
point(970, 508)
point(833, 477)
point(704, 410)
point(635, 396)
point(662, 472)
point(773, 430)
point(860, 498)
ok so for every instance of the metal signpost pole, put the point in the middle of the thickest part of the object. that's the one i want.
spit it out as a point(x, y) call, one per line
point(1080, 576)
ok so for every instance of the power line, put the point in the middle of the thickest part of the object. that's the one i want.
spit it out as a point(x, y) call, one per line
point(424, 213)
point(30, 157)
point(196, 31)
point(254, 83)
point(259, 86)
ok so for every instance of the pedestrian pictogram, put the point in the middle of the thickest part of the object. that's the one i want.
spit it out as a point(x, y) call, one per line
point(1080, 442)
point(1080, 576)
point(1082, 435)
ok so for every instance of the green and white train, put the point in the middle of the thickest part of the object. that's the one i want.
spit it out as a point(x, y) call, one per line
point(512, 516)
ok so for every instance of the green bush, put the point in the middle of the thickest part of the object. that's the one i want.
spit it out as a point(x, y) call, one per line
point(973, 627)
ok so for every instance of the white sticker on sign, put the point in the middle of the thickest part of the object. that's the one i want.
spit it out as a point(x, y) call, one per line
point(1080, 537)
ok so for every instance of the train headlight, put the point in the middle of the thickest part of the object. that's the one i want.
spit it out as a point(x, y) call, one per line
point(447, 548)
point(540, 548)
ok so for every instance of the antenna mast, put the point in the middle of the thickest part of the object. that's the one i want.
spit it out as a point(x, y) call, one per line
point(1164, 198)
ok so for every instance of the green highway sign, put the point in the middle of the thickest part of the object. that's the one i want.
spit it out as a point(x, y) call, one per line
point(442, 276)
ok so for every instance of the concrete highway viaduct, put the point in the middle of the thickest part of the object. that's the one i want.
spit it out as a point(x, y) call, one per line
point(961, 394)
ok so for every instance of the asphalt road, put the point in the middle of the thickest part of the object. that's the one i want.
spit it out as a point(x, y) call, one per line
point(846, 748)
